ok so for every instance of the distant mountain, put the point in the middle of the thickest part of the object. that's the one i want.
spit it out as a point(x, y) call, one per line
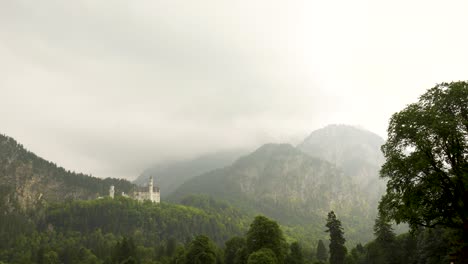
point(27, 180)
point(282, 182)
point(356, 151)
point(335, 168)
point(171, 175)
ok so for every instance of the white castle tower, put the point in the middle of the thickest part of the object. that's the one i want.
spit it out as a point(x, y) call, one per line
point(111, 192)
point(150, 192)
point(150, 187)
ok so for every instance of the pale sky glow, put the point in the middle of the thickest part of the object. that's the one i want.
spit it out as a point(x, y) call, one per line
point(111, 87)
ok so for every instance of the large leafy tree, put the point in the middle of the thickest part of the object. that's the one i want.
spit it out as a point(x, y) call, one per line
point(266, 233)
point(427, 161)
point(337, 240)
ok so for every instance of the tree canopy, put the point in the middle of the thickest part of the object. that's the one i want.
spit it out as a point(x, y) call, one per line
point(262, 256)
point(427, 161)
point(295, 254)
point(265, 233)
point(201, 251)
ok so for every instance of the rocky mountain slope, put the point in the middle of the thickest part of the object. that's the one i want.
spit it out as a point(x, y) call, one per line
point(27, 180)
point(356, 151)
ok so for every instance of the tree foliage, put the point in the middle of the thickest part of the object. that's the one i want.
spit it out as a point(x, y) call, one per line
point(262, 256)
point(322, 254)
point(427, 161)
point(234, 247)
point(295, 254)
point(265, 233)
point(201, 251)
point(337, 240)
point(385, 240)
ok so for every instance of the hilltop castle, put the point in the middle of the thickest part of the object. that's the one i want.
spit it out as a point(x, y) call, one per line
point(143, 193)
point(149, 192)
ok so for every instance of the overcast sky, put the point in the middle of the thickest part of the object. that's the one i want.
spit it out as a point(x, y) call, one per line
point(111, 87)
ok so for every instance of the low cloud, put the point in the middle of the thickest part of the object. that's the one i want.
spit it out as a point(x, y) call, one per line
point(109, 88)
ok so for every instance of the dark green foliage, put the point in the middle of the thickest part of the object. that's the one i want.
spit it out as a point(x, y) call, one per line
point(427, 162)
point(337, 240)
point(429, 246)
point(171, 247)
point(241, 256)
point(201, 251)
point(358, 255)
point(262, 256)
point(434, 246)
point(234, 247)
point(179, 257)
point(385, 240)
point(265, 233)
point(383, 231)
point(322, 254)
point(295, 254)
point(125, 252)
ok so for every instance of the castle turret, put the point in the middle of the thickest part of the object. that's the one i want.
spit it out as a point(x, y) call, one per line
point(150, 186)
point(111, 192)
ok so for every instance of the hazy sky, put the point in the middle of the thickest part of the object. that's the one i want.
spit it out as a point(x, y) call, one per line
point(110, 87)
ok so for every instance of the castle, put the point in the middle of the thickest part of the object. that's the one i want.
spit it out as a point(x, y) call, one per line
point(141, 193)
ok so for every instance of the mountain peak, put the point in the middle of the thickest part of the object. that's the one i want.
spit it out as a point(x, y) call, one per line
point(343, 144)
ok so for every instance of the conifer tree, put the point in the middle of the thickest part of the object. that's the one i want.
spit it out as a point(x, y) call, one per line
point(337, 240)
point(383, 231)
point(384, 246)
point(321, 252)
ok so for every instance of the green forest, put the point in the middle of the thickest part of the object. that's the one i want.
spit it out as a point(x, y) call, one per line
point(126, 231)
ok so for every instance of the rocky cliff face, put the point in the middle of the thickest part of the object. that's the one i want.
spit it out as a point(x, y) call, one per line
point(27, 180)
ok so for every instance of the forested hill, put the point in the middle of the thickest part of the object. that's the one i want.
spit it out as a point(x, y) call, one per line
point(27, 180)
point(69, 228)
point(154, 223)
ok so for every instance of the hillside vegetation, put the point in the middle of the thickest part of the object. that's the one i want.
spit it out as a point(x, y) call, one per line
point(27, 180)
